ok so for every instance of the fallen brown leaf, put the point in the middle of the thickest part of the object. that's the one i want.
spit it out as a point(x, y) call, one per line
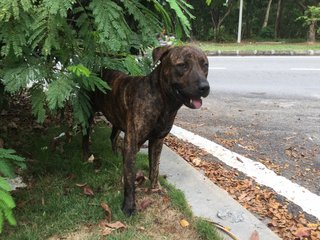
point(71, 176)
point(116, 225)
point(88, 191)
point(106, 231)
point(145, 203)
point(107, 210)
point(196, 161)
point(81, 184)
point(254, 235)
point(303, 232)
point(184, 223)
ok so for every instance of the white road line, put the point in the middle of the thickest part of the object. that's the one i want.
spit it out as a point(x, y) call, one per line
point(299, 195)
point(305, 69)
point(217, 68)
point(240, 57)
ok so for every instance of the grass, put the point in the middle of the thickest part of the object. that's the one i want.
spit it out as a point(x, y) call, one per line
point(53, 206)
point(259, 46)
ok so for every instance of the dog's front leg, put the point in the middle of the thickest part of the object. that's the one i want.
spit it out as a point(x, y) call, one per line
point(129, 156)
point(155, 147)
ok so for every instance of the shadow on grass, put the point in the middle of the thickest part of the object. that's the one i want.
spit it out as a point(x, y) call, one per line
point(53, 204)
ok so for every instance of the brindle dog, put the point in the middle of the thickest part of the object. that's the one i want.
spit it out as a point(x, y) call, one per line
point(144, 108)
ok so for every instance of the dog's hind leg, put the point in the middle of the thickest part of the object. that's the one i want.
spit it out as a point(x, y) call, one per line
point(129, 156)
point(155, 147)
point(115, 139)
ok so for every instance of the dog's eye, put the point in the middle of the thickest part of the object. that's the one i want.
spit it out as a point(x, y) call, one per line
point(182, 65)
point(206, 65)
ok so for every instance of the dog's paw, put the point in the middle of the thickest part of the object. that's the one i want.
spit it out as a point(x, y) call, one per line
point(128, 210)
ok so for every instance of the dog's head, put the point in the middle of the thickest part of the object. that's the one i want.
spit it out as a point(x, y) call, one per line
point(184, 71)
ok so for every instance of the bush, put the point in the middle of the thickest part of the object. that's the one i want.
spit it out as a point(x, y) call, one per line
point(267, 33)
point(56, 48)
point(8, 159)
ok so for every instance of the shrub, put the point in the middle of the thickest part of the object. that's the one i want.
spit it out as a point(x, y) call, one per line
point(8, 159)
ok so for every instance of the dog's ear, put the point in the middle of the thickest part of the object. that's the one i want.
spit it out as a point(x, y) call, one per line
point(159, 52)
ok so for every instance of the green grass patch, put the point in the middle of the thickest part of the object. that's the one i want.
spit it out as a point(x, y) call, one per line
point(177, 197)
point(252, 46)
point(206, 230)
point(53, 205)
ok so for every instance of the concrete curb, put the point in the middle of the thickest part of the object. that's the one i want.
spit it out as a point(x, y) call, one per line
point(209, 201)
point(264, 53)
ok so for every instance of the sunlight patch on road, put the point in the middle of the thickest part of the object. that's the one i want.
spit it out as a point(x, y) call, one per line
point(299, 195)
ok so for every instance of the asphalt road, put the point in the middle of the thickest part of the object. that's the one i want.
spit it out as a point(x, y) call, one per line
point(266, 108)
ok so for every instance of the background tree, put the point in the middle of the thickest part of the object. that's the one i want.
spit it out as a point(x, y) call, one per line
point(265, 20)
point(213, 12)
point(311, 17)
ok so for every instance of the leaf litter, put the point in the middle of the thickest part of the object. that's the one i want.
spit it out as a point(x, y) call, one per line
point(257, 199)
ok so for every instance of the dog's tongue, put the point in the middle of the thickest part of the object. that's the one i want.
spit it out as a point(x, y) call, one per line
point(196, 103)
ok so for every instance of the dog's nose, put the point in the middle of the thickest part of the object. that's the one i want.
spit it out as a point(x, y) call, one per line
point(204, 89)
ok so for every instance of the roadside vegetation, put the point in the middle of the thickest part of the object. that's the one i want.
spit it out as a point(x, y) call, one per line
point(257, 46)
point(267, 20)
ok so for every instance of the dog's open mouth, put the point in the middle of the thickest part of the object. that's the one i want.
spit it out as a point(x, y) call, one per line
point(195, 103)
point(190, 102)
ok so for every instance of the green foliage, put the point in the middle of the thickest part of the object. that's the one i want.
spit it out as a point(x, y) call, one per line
point(266, 32)
point(54, 49)
point(181, 7)
point(19, 77)
point(311, 14)
point(8, 158)
point(38, 98)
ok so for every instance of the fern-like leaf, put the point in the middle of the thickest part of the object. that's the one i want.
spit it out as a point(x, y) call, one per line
point(7, 199)
point(38, 98)
point(81, 109)
point(87, 79)
point(146, 29)
point(132, 65)
point(79, 70)
point(4, 185)
point(7, 212)
point(45, 30)
point(111, 24)
point(59, 91)
point(17, 78)
point(58, 6)
point(5, 169)
point(7, 159)
point(1, 220)
point(180, 7)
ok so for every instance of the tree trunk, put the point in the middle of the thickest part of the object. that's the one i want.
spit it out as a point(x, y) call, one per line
point(217, 20)
point(278, 19)
point(312, 32)
point(248, 19)
point(266, 18)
